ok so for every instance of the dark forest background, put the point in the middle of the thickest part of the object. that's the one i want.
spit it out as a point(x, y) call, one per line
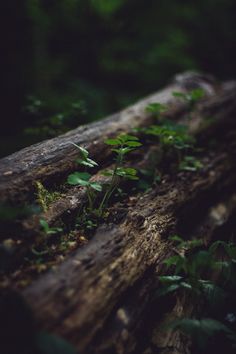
point(69, 62)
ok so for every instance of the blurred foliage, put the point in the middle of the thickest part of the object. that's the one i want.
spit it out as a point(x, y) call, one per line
point(106, 53)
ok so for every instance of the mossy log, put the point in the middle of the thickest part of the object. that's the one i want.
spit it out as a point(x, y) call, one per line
point(102, 298)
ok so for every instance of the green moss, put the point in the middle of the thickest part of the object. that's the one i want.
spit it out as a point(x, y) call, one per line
point(44, 197)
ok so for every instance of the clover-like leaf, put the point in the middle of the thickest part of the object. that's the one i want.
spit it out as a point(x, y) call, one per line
point(126, 137)
point(96, 186)
point(127, 172)
point(133, 143)
point(79, 178)
point(112, 142)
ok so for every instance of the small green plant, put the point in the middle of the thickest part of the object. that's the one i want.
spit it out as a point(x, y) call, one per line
point(122, 145)
point(201, 330)
point(156, 109)
point(174, 138)
point(49, 230)
point(83, 179)
point(187, 268)
point(171, 135)
point(192, 267)
point(191, 98)
point(87, 220)
point(44, 249)
point(194, 264)
point(84, 160)
point(190, 163)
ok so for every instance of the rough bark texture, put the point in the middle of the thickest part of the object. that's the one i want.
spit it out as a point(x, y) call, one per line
point(90, 286)
point(103, 297)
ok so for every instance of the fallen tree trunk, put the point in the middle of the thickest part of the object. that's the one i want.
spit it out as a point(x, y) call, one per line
point(90, 285)
point(103, 296)
point(53, 159)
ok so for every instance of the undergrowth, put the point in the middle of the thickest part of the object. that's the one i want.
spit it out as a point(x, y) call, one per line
point(208, 276)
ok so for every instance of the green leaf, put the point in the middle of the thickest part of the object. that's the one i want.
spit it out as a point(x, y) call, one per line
point(179, 95)
point(54, 230)
point(170, 278)
point(122, 151)
point(88, 162)
point(176, 238)
point(156, 108)
point(190, 163)
point(107, 173)
point(215, 295)
point(79, 178)
point(197, 94)
point(194, 243)
point(127, 172)
point(44, 224)
point(49, 230)
point(84, 153)
point(84, 163)
point(172, 260)
point(186, 285)
point(192, 97)
point(125, 150)
point(112, 142)
point(92, 162)
point(96, 186)
point(124, 138)
point(133, 143)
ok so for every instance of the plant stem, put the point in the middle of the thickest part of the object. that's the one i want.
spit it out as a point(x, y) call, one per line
point(90, 198)
point(113, 185)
